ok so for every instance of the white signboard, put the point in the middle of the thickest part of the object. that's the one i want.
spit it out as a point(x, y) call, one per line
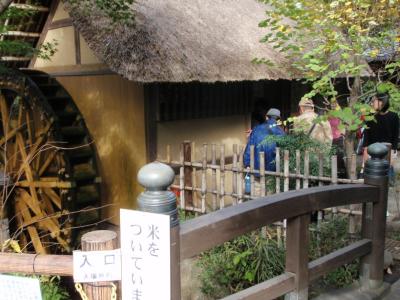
point(145, 249)
point(17, 288)
point(95, 266)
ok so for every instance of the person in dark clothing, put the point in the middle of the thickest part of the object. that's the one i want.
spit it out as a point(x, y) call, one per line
point(386, 127)
point(384, 130)
point(257, 139)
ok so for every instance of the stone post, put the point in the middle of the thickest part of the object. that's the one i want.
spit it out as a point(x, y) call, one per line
point(157, 198)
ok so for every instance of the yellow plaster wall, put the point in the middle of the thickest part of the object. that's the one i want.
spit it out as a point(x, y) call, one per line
point(87, 55)
point(60, 13)
point(65, 55)
point(224, 130)
point(113, 109)
point(66, 50)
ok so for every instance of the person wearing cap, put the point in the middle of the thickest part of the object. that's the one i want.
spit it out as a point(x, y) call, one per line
point(305, 123)
point(384, 129)
point(257, 138)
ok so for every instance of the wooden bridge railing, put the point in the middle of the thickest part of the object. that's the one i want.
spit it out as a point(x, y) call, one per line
point(210, 230)
point(200, 234)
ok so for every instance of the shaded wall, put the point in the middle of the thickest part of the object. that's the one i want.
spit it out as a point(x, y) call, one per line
point(113, 110)
point(224, 130)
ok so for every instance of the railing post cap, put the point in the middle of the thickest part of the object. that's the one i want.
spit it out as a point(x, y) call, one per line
point(156, 176)
point(377, 150)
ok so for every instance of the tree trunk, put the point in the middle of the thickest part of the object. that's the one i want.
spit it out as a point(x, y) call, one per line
point(4, 4)
point(350, 137)
point(349, 141)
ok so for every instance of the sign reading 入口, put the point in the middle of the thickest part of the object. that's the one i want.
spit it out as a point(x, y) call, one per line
point(145, 250)
point(95, 266)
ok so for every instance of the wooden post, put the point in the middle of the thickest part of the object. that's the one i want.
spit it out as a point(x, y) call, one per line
point(320, 212)
point(96, 241)
point(222, 177)
point(234, 174)
point(204, 179)
point(306, 169)
point(353, 218)
point(286, 171)
point(252, 180)
point(262, 174)
point(278, 171)
point(298, 182)
point(182, 178)
point(214, 177)
point(297, 237)
point(374, 217)
point(187, 157)
point(334, 176)
point(194, 179)
point(241, 177)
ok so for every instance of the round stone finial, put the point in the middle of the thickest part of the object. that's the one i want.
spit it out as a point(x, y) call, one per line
point(156, 176)
point(377, 151)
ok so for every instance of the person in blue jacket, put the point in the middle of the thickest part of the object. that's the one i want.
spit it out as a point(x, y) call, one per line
point(257, 138)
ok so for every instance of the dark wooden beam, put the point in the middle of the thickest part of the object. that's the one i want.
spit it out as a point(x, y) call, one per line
point(297, 238)
point(327, 263)
point(53, 8)
point(77, 47)
point(61, 23)
point(267, 290)
point(205, 232)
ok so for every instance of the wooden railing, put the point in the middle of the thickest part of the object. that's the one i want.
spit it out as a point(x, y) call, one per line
point(205, 232)
point(202, 233)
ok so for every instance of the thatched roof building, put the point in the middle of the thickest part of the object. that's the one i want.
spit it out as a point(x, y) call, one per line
point(184, 40)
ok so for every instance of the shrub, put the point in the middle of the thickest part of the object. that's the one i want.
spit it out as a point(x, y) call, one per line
point(301, 142)
point(333, 235)
point(239, 264)
point(252, 258)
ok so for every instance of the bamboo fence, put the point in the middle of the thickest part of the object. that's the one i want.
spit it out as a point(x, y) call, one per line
point(216, 180)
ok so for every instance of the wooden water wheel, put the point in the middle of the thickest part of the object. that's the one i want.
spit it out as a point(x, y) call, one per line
point(48, 154)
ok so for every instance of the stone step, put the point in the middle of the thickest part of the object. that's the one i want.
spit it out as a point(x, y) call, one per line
point(394, 292)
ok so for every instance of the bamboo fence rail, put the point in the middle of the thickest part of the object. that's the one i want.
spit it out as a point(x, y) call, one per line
point(222, 177)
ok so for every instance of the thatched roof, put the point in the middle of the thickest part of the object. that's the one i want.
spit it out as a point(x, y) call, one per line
point(185, 40)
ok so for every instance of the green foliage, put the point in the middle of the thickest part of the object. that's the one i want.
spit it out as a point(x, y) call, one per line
point(302, 142)
point(119, 11)
point(17, 47)
point(330, 237)
point(354, 117)
point(252, 259)
point(51, 289)
point(394, 91)
point(326, 40)
point(238, 264)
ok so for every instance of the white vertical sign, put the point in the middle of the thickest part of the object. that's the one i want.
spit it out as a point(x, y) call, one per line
point(145, 249)
point(18, 288)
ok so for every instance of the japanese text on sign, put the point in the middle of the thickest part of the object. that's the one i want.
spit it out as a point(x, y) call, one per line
point(95, 266)
point(17, 288)
point(145, 249)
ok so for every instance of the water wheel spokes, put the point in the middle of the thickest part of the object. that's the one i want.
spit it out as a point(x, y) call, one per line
point(30, 157)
